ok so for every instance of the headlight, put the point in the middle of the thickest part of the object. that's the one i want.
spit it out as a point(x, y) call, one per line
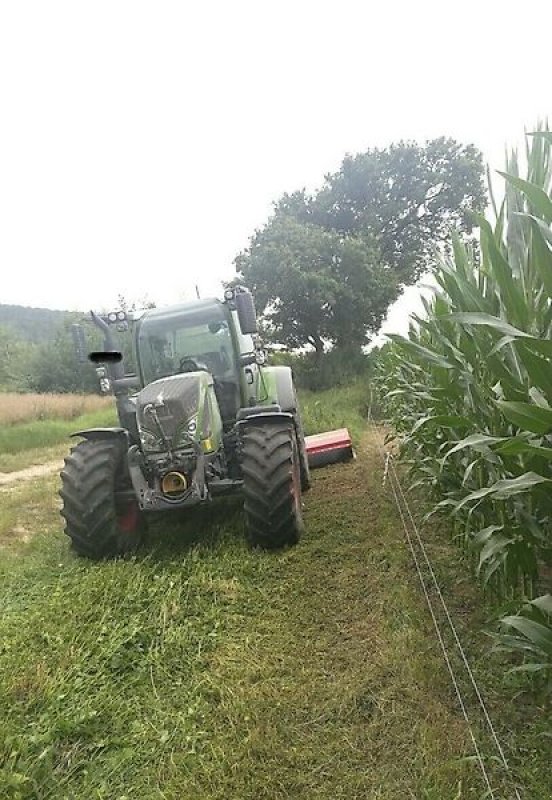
point(188, 432)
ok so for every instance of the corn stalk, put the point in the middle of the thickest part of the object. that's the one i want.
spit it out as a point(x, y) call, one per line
point(469, 392)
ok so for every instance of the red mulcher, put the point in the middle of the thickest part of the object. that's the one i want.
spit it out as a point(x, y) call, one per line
point(329, 448)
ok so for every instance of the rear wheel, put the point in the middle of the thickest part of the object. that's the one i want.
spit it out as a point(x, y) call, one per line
point(102, 518)
point(272, 484)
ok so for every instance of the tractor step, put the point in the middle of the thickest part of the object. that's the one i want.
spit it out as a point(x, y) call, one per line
point(330, 447)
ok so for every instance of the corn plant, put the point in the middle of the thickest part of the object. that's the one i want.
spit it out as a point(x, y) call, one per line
point(469, 392)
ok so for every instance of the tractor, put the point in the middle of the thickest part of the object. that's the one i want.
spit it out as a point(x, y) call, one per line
point(202, 416)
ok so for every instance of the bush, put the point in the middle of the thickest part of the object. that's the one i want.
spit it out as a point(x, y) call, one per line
point(338, 367)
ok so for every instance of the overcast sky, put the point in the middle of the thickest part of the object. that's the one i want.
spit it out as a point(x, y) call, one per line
point(141, 143)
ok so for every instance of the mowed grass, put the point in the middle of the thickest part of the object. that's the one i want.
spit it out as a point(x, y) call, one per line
point(203, 669)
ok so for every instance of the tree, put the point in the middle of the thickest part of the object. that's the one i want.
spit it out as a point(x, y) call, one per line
point(14, 358)
point(314, 285)
point(325, 267)
point(54, 366)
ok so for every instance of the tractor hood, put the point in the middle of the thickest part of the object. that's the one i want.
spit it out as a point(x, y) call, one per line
point(175, 412)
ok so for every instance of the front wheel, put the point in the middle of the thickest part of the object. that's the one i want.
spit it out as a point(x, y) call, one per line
point(272, 484)
point(102, 518)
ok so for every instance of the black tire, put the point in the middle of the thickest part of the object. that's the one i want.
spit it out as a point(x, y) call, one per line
point(303, 456)
point(100, 522)
point(272, 484)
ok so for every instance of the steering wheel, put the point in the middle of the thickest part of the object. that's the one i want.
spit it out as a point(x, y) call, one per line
point(190, 364)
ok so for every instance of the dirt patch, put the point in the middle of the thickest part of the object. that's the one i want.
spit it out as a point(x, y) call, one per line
point(36, 471)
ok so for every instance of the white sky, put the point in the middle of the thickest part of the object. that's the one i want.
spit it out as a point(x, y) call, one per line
point(143, 142)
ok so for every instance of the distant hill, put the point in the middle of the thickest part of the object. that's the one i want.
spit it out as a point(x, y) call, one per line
point(33, 324)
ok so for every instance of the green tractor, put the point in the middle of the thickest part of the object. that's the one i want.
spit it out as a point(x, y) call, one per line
point(203, 416)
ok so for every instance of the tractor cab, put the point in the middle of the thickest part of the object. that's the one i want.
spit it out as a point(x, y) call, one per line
point(193, 337)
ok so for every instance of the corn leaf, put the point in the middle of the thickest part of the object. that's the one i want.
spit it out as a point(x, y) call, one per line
point(546, 135)
point(537, 368)
point(543, 603)
point(475, 441)
point(536, 196)
point(505, 488)
point(527, 416)
point(542, 256)
point(516, 446)
point(443, 420)
point(539, 635)
point(423, 352)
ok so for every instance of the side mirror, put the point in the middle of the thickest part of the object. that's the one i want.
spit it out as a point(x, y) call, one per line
point(247, 316)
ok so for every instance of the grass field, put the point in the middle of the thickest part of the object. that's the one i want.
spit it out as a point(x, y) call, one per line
point(202, 669)
point(39, 440)
point(16, 408)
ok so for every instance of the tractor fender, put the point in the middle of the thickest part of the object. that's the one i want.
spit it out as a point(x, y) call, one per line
point(250, 411)
point(263, 417)
point(282, 380)
point(102, 434)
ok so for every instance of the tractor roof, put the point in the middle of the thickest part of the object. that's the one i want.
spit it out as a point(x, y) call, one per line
point(182, 308)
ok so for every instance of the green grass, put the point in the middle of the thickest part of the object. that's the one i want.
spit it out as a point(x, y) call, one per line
point(203, 669)
point(13, 462)
point(336, 408)
point(19, 444)
point(38, 442)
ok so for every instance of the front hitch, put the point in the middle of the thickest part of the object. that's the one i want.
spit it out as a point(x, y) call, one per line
point(150, 499)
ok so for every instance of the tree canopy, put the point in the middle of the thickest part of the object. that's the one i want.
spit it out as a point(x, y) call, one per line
point(325, 267)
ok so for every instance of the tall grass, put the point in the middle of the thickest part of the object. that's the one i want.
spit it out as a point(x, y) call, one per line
point(340, 407)
point(35, 435)
point(470, 393)
point(16, 408)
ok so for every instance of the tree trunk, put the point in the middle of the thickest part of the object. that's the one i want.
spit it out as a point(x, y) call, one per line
point(318, 345)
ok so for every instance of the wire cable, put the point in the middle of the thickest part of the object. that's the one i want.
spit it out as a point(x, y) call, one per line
point(455, 684)
point(399, 495)
point(454, 631)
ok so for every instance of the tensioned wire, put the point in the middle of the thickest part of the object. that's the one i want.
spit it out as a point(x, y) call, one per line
point(454, 631)
point(398, 494)
point(450, 668)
